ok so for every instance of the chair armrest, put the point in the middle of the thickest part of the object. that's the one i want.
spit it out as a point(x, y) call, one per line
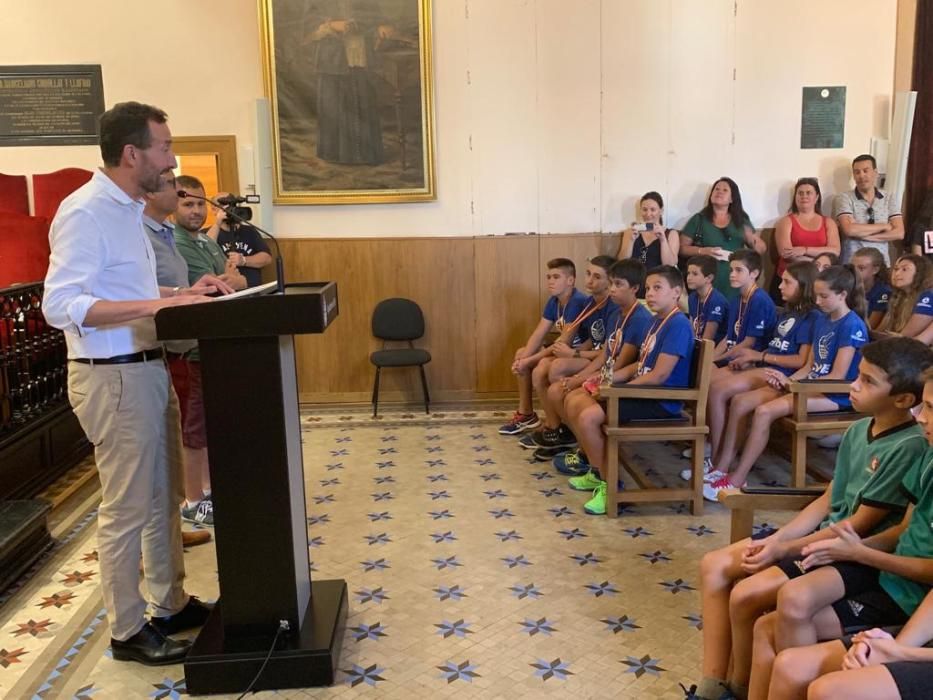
point(647, 391)
point(744, 505)
point(803, 389)
point(820, 386)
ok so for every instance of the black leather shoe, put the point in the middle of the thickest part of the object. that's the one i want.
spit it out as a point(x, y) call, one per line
point(194, 614)
point(150, 647)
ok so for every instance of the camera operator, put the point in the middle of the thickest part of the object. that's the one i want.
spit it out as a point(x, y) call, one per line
point(241, 243)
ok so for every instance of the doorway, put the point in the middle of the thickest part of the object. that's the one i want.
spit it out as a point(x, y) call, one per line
point(211, 159)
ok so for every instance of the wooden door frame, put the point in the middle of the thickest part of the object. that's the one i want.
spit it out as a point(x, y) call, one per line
point(224, 147)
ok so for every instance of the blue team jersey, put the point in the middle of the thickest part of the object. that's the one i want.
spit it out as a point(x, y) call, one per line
point(758, 318)
point(715, 310)
point(877, 297)
point(672, 338)
point(924, 305)
point(634, 330)
point(567, 314)
point(792, 331)
point(828, 338)
point(596, 327)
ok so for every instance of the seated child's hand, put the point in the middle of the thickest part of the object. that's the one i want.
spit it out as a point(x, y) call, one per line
point(744, 356)
point(844, 547)
point(561, 349)
point(762, 554)
point(872, 648)
point(776, 379)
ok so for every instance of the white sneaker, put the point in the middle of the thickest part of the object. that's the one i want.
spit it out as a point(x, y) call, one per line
point(688, 453)
point(714, 475)
point(711, 490)
point(685, 474)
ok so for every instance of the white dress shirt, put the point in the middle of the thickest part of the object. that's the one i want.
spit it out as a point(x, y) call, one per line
point(100, 251)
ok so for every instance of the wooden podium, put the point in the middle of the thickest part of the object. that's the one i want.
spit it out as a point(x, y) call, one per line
point(257, 479)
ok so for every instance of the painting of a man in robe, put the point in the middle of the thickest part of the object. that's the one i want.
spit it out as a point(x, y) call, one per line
point(350, 109)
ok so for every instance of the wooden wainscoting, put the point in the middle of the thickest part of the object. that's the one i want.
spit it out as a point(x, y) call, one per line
point(481, 299)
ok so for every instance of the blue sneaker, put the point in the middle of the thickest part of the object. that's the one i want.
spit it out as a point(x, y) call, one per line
point(527, 442)
point(572, 463)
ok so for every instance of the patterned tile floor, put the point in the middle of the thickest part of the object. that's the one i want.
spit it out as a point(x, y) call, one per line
point(473, 572)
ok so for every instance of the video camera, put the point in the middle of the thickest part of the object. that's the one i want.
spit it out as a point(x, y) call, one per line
point(231, 204)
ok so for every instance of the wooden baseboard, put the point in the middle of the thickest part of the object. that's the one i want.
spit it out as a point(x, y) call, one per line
point(398, 397)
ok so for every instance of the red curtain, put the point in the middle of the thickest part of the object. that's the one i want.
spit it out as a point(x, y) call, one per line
point(920, 159)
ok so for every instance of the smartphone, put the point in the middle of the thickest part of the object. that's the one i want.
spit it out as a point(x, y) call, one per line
point(641, 228)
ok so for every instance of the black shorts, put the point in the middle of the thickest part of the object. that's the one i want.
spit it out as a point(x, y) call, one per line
point(913, 679)
point(650, 409)
point(866, 604)
point(792, 567)
point(764, 533)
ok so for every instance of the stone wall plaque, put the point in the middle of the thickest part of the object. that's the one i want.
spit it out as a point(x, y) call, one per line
point(50, 105)
point(823, 117)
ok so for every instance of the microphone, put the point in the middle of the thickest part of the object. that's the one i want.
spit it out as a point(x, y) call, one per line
point(279, 263)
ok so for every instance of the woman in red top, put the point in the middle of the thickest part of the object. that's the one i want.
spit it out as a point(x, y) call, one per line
point(805, 233)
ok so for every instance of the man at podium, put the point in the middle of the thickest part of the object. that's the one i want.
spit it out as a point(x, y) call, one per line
point(101, 290)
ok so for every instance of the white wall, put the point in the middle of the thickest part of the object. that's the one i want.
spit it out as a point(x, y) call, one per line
point(551, 116)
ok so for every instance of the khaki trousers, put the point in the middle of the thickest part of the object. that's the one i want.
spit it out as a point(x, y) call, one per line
point(130, 413)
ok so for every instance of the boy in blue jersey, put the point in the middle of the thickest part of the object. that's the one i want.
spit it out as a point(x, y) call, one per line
point(741, 582)
point(561, 310)
point(571, 356)
point(852, 582)
point(707, 306)
point(752, 314)
point(663, 360)
point(627, 330)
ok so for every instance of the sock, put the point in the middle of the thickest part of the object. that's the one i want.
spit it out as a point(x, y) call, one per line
point(191, 504)
point(711, 688)
point(207, 495)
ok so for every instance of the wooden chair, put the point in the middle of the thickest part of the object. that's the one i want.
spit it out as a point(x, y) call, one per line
point(691, 426)
point(802, 424)
point(744, 502)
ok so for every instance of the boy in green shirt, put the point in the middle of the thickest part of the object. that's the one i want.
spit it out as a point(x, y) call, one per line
point(742, 581)
point(851, 583)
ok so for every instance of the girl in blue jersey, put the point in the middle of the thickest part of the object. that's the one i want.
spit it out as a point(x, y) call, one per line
point(873, 271)
point(910, 310)
point(734, 393)
point(838, 334)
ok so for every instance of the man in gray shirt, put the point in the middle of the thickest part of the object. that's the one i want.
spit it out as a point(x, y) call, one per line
point(172, 271)
point(866, 216)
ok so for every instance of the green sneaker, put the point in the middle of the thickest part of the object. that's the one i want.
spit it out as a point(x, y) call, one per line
point(597, 504)
point(587, 482)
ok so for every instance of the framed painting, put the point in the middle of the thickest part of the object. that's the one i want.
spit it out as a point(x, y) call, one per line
point(350, 84)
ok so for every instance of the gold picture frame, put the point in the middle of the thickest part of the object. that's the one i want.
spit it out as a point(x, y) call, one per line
point(350, 83)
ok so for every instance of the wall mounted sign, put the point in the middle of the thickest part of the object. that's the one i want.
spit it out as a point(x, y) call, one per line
point(823, 117)
point(50, 105)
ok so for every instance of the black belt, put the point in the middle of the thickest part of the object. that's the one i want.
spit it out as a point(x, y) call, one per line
point(141, 356)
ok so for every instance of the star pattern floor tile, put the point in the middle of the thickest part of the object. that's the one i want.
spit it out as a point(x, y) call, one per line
point(471, 573)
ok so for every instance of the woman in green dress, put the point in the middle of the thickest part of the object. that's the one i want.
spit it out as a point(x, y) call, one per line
point(719, 229)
